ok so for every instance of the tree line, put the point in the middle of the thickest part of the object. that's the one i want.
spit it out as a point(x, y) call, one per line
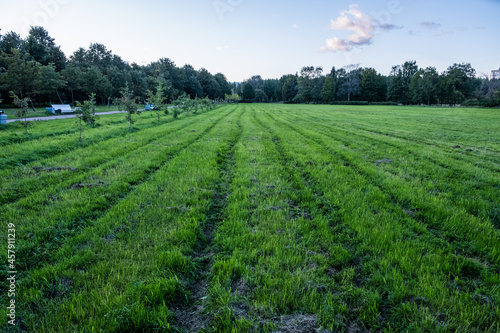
point(407, 84)
point(35, 67)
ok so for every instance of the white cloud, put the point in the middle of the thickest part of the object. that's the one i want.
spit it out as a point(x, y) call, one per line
point(337, 44)
point(295, 26)
point(362, 25)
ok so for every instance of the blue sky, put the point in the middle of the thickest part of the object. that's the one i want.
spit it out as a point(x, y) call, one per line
point(241, 38)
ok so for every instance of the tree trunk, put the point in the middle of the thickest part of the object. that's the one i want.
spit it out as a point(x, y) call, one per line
point(59, 97)
point(32, 106)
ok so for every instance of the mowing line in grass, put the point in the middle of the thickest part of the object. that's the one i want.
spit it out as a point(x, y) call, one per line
point(265, 276)
point(44, 235)
point(411, 281)
point(191, 318)
point(470, 235)
point(17, 183)
point(483, 202)
point(23, 153)
point(125, 225)
point(470, 166)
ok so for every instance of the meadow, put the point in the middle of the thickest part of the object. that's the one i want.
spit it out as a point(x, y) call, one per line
point(256, 218)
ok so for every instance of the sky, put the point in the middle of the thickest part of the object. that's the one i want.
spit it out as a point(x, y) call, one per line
point(242, 38)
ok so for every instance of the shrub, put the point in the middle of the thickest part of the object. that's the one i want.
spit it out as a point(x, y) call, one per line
point(349, 103)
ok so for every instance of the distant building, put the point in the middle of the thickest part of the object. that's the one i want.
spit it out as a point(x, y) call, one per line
point(495, 75)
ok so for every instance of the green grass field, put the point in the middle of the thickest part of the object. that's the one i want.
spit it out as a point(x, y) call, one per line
point(256, 218)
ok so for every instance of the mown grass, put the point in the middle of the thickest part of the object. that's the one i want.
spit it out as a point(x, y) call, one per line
point(259, 218)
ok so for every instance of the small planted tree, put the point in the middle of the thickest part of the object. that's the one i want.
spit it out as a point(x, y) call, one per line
point(187, 103)
point(178, 106)
point(206, 103)
point(22, 112)
point(157, 99)
point(196, 104)
point(128, 103)
point(86, 113)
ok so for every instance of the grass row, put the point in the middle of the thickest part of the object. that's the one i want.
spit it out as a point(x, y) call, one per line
point(49, 138)
point(434, 169)
point(471, 236)
point(274, 245)
point(412, 279)
point(49, 217)
point(18, 182)
point(76, 212)
point(18, 154)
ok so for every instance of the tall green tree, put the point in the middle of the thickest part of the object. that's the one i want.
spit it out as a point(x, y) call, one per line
point(94, 81)
point(191, 85)
point(256, 82)
point(21, 75)
point(269, 88)
point(401, 75)
point(308, 84)
point(248, 92)
point(260, 96)
point(73, 76)
point(289, 88)
point(225, 88)
point(42, 48)
point(99, 56)
point(373, 86)
point(209, 84)
point(423, 86)
point(9, 41)
point(329, 91)
point(49, 81)
point(457, 83)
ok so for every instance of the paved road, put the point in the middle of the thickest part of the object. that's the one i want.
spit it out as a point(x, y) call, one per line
point(69, 116)
point(61, 117)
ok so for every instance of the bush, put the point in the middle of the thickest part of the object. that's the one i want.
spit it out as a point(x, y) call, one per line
point(384, 103)
point(349, 103)
point(470, 102)
point(489, 103)
point(485, 103)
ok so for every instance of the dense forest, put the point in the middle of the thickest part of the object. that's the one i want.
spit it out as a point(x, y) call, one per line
point(37, 68)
